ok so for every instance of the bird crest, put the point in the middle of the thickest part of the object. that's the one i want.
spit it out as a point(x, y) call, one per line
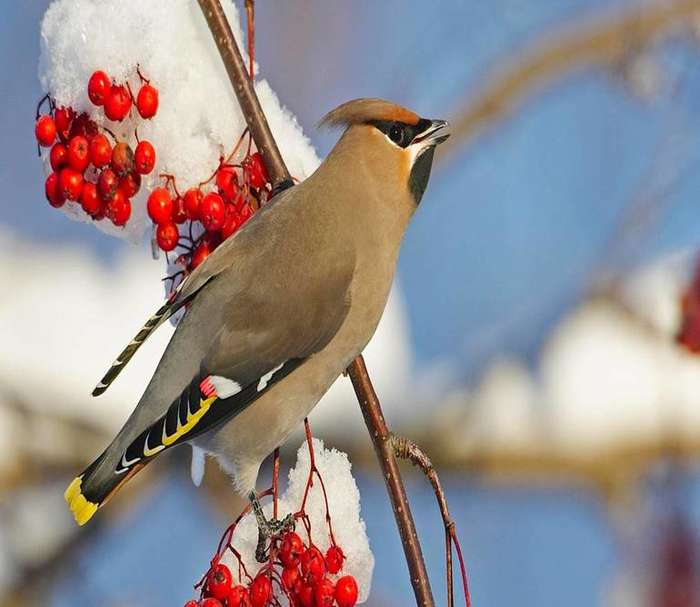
point(361, 111)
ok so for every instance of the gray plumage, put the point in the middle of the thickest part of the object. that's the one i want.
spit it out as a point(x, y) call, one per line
point(298, 291)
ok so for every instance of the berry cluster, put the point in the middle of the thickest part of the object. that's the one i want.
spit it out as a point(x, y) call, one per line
point(89, 168)
point(238, 191)
point(103, 174)
point(293, 569)
point(300, 571)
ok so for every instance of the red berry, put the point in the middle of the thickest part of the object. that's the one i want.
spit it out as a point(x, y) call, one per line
point(227, 183)
point(260, 590)
point(64, 118)
point(71, 183)
point(323, 593)
point(312, 565)
point(122, 159)
point(334, 559)
point(231, 222)
point(107, 184)
point(117, 102)
point(291, 549)
point(167, 236)
point(45, 131)
point(255, 171)
point(160, 206)
point(219, 580)
point(130, 184)
point(90, 199)
point(179, 213)
point(211, 602)
point(290, 577)
point(212, 212)
point(98, 87)
point(211, 239)
point(59, 156)
point(78, 153)
point(200, 254)
point(119, 209)
point(100, 151)
point(53, 191)
point(147, 101)
point(305, 594)
point(145, 157)
point(238, 597)
point(192, 603)
point(346, 591)
point(193, 198)
point(82, 125)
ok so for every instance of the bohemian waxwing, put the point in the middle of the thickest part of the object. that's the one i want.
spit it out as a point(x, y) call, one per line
point(279, 310)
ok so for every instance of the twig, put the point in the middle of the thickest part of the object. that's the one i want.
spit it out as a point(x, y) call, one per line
point(369, 403)
point(405, 448)
point(608, 44)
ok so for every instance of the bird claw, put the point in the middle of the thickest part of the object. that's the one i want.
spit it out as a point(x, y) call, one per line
point(268, 528)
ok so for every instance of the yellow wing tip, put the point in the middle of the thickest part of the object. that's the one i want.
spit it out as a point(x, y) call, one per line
point(82, 509)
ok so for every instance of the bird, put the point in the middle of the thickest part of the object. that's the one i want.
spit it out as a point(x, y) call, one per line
point(278, 311)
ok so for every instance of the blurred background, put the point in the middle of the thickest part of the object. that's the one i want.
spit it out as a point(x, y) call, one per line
point(529, 344)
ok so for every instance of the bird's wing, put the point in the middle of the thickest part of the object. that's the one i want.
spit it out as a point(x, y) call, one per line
point(261, 343)
point(188, 289)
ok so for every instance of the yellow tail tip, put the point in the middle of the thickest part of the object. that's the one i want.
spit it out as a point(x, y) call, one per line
point(82, 509)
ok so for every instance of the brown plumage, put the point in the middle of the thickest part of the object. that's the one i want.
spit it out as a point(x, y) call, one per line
point(279, 310)
point(360, 111)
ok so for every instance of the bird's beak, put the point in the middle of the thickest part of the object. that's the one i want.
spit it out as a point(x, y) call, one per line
point(434, 134)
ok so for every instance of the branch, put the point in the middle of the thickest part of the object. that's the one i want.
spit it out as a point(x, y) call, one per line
point(405, 448)
point(609, 45)
point(369, 403)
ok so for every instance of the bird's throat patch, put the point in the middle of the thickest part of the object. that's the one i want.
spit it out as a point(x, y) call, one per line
point(420, 173)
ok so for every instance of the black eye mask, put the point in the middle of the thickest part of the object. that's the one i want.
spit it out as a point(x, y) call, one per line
point(400, 133)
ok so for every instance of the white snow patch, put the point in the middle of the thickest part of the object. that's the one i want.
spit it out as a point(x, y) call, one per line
point(344, 505)
point(198, 117)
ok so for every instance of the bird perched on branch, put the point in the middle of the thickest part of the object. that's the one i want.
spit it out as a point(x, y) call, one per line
point(278, 311)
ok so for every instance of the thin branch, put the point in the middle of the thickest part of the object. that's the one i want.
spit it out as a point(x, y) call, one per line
point(405, 448)
point(608, 43)
point(369, 403)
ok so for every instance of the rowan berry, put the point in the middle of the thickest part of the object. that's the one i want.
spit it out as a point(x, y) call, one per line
point(117, 102)
point(212, 212)
point(160, 206)
point(45, 130)
point(145, 157)
point(147, 101)
point(98, 87)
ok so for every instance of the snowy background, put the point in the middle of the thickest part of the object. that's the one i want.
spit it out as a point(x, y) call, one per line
point(527, 343)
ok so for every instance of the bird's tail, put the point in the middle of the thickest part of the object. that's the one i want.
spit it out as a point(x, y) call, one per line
point(94, 487)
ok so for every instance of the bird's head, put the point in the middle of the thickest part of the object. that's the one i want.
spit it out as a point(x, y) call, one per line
point(394, 142)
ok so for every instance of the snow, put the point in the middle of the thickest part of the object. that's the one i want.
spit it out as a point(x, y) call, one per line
point(198, 117)
point(344, 507)
point(610, 374)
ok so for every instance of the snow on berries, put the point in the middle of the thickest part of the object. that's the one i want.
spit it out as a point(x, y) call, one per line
point(324, 561)
point(83, 153)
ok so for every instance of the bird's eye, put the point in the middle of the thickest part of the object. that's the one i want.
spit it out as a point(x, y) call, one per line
point(396, 134)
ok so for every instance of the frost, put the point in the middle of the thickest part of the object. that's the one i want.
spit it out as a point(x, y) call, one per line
point(344, 506)
point(198, 118)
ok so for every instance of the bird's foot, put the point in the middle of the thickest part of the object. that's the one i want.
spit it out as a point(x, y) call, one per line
point(267, 528)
